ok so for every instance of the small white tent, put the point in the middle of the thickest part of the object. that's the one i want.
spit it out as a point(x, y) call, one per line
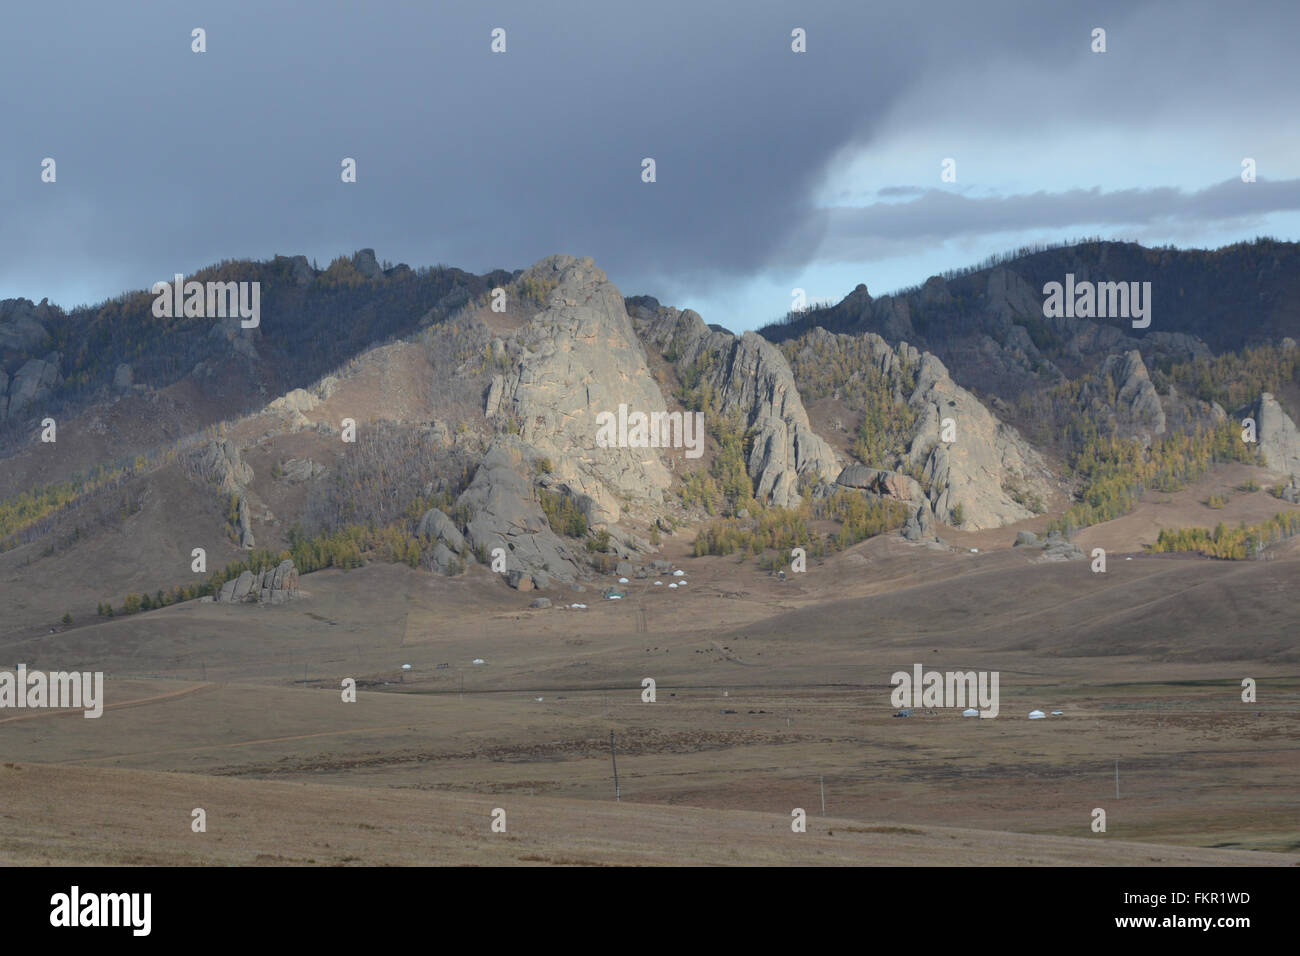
point(970, 712)
point(1036, 715)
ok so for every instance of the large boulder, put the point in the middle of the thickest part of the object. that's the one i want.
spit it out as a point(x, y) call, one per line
point(505, 513)
point(443, 559)
point(243, 586)
point(920, 524)
point(890, 484)
point(1057, 548)
point(1054, 547)
point(435, 525)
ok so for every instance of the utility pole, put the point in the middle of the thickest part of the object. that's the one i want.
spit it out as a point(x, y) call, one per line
point(617, 795)
point(823, 783)
point(1116, 779)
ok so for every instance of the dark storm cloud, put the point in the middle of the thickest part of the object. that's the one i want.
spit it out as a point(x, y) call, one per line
point(169, 160)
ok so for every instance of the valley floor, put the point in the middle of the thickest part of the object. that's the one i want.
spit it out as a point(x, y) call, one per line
point(764, 691)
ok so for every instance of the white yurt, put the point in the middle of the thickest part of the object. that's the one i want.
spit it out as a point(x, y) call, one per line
point(970, 712)
point(1036, 715)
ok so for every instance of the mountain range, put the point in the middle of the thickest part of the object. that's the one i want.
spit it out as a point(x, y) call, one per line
point(434, 416)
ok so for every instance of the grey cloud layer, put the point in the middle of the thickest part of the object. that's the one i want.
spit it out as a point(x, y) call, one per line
point(894, 228)
point(169, 160)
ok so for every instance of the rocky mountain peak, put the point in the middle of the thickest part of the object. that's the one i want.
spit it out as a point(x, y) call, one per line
point(577, 359)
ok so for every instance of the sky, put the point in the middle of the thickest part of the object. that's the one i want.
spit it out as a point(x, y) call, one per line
point(775, 170)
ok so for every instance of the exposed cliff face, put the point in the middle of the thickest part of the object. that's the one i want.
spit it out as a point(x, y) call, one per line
point(973, 465)
point(978, 475)
point(577, 358)
point(749, 378)
point(1279, 440)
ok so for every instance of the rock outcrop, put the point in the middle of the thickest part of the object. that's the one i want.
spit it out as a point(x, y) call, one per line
point(450, 550)
point(750, 379)
point(919, 527)
point(364, 261)
point(887, 484)
point(979, 475)
point(505, 513)
point(296, 400)
point(1121, 388)
point(302, 469)
point(435, 525)
point(237, 338)
point(21, 325)
point(245, 526)
point(985, 474)
point(31, 384)
point(990, 330)
point(1054, 547)
point(1279, 441)
point(277, 585)
point(220, 463)
point(575, 360)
